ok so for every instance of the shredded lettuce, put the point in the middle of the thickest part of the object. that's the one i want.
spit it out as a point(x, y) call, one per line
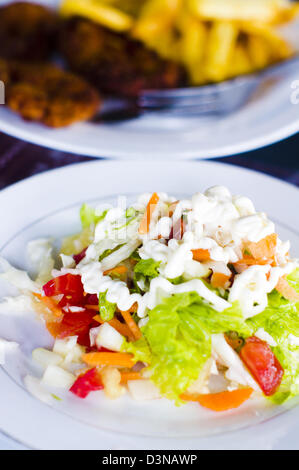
point(178, 335)
point(89, 217)
point(147, 268)
point(106, 308)
point(76, 243)
point(144, 271)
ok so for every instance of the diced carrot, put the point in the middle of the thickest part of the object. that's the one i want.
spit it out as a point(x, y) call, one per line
point(92, 307)
point(264, 249)
point(146, 220)
point(126, 376)
point(53, 328)
point(117, 325)
point(132, 325)
point(108, 359)
point(201, 255)
point(117, 271)
point(220, 280)
point(52, 306)
point(248, 261)
point(287, 291)
point(222, 401)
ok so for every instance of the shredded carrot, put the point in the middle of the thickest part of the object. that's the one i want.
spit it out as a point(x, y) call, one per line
point(132, 325)
point(287, 291)
point(92, 307)
point(201, 255)
point(134, 308)
point(222, 401)
point(117, 325)
point(117, 271)
point(126, 376)
point(146, 219)
point(108, 359)
point(220, 280)
point(48, 302)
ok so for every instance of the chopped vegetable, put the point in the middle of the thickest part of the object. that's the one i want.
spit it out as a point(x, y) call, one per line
point(106, 308)
point(201, 255)
point(222, 401)
point(109, 359)
point(86, 383)
point(262, 363)
point(146, 220)
point(132, 325)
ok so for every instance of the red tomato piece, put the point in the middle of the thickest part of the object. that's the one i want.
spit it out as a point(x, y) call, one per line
point(263, 365)
point(91, 299)
point(86, 383)
point(69, 285)
point(80, 256)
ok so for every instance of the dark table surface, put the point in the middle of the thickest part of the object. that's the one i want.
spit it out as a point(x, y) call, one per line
point(18, 160)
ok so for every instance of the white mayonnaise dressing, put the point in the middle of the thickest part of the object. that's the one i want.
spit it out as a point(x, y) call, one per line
point(214, 221)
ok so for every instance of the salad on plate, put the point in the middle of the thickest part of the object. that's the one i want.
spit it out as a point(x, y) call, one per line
point(192, 300)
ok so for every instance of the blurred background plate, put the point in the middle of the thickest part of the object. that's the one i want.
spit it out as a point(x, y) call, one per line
point(267, 117)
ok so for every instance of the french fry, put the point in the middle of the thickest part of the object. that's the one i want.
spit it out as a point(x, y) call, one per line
point(155, 17)
point(280, 48)
point(192, 46)
point(221, 44)
point(213, 39)
point(241, 63)
point(266, 11)
point(99, 12)
point(259, 51)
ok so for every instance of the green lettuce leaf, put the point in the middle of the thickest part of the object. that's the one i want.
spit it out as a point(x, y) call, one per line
point(106, 308)
point(178, 335)
point(145, 270)
point(88, 216)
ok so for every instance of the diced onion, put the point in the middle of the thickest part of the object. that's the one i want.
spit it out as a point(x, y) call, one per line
point(45, 357)
point(55, 376)
point(109, 338)
point(142, 390)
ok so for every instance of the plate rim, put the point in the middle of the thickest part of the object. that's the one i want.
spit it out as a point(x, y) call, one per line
point(109, 437)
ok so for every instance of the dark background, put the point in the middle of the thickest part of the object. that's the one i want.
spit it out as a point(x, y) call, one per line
point(19, 160)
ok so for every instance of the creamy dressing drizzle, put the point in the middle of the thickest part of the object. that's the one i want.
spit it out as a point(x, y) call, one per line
point(214, 221)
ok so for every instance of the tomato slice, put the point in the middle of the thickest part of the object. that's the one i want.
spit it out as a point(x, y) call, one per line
point(262, 363)
point(91, 299)
point(69, 285)
point(74, 324)
point(86, 383)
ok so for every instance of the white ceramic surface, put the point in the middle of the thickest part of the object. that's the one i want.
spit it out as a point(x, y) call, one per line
point(47, 205)
point(268, 117)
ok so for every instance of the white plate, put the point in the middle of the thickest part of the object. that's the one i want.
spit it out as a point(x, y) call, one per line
point(267, 118)
point(47, 205)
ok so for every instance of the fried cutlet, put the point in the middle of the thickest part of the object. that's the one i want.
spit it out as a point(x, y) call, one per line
point(47, 94)
point(114, 63)
point(27, 31)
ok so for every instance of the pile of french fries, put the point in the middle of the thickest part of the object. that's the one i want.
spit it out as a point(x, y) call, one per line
point(213, 39)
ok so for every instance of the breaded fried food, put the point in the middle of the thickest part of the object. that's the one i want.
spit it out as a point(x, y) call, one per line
point(114, 63)
point(47, 94)
point(27, 31)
